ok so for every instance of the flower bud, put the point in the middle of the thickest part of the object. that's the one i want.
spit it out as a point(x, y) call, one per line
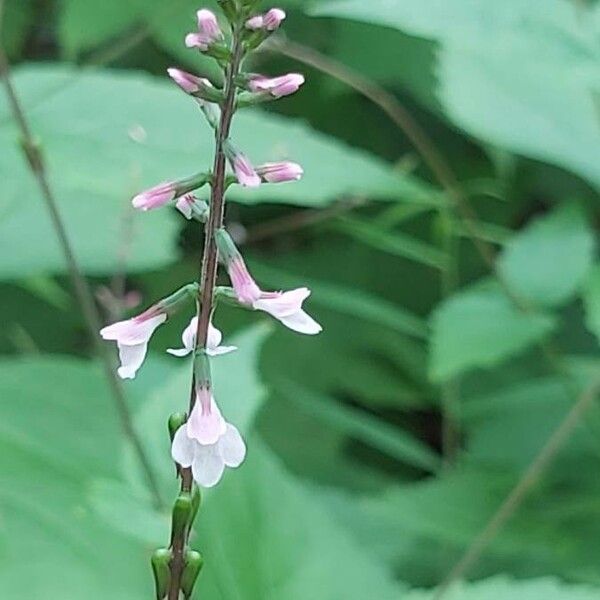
point(182, 510)
point(176, 420)
point(200, 87)
point(162, 574)
point(276, 86)
point(165, 192)
point(243, 169)
point(193, 566)
point(273, 18)
point(192, 208)
point(279, 172)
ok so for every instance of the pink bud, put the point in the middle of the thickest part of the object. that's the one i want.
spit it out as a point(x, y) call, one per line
point(276, 86)
point(155, 197)
point(280, 171)
point(255, 23)
point(186, 81)
point(207, 24)
point(244, 171)
point(273, 19)
point(184, 205)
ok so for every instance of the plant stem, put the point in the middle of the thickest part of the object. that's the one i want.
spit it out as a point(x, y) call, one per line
point(81, 287)
point(208, 276)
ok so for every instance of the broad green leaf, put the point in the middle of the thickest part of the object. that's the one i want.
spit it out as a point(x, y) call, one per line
point(17, 17)
point(545, 263)
point(109, 134)
point(58, 431)
point(481, 327)
point(533, 67)
point(505, 588)
point(591, 299)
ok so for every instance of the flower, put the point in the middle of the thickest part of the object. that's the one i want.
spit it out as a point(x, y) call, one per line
point(273, 18)
point(244, 286)
point(156, 196)
point(207, 442)
point(287, 308)
point(184, 205)
point(280, 171)
point(188, 338)
point(132, 338)
point(244, 171)
point(208, 31)
point(283, 85)
point(270, 21)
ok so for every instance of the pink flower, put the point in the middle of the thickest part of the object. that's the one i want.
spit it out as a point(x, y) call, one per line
point(186, 81)
point(208, 460)
point(208, 31)
point(184, 205)
point(270, 21)
point(280, 171)
point(156, 196)
point(213, 347)
point(244, 286)
point(244, 171)
point(132, 338)
point(276, 86)
point(273, 18)
point(287, 308)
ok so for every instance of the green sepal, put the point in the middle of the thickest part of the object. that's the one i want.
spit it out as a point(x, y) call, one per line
point(219, 51)
point(177, 299)
point(176, 420)
point(182, 511)
point(162, 573)
point(196, 501)
point(227, 249)
point(189, 184)
point(193, 566)
point(250, 98)
point(202, 368)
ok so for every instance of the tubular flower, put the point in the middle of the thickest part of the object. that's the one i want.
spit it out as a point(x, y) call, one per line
point(277, 87)
point(207, 442)
point(279, 172)
point(196, 86)
point(132, 338)
point(208, 31)
point(155, 197)
point(185, 205)
point(213, 347)
point(243, 169)
point(270, 21)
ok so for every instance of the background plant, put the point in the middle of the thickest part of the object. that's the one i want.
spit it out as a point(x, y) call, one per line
point(446, 225)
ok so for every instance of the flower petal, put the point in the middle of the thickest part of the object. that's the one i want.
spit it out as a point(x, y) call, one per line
point(231, 447)
point(208, 466)
point(220, 350)
point(131, 358)
point(188, 339)
point(182, 449)
point(302, 323)
point(206, 424)
point(214, 337)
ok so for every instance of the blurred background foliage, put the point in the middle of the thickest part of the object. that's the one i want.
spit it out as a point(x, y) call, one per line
point(447, 226)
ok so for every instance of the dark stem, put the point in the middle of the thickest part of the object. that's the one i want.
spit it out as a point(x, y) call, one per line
point(208, 277)
point(81, 287)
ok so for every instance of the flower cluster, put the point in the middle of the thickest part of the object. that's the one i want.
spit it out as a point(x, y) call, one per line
point(206, 442)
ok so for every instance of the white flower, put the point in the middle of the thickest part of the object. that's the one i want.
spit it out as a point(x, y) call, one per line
point(207, 443)
point(132, 338)
point(287, 308)
point(188, 339)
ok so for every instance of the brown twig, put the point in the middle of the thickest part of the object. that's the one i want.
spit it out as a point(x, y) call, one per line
point(82, 290)
point(518, 493)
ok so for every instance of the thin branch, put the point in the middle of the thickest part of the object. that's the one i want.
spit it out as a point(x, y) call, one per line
point(82, 291)
point(527, 481)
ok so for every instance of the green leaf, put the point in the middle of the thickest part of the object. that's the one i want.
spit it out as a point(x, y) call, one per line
point(107, 135)
point(395, 442)
point(480, 327)
point(396, 243)
point(349, 301)
point(505, 588)
point(17, 17)
point(546, 262)
point(533, 67)
point(591, 300)
point(109, 18)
